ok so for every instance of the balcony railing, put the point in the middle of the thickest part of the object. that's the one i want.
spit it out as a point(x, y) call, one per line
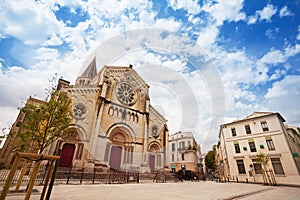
point(187, 148)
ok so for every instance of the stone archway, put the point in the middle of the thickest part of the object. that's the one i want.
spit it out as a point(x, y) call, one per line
point(72, 147)
point(154, 159)
point(119, 149)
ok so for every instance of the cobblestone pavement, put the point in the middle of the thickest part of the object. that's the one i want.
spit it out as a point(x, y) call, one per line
point(169, 191)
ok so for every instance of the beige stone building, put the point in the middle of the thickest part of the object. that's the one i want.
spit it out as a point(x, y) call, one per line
point(184, 151)
point(261, 132)
point(12, 144)
point(113, 125)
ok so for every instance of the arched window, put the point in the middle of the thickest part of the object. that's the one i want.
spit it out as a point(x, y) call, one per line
point(111, 111)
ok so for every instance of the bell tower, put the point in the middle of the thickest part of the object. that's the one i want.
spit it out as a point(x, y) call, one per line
point(89, 73)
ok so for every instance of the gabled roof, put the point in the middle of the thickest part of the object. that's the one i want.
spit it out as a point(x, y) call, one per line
point(257, 114)
point(123, 72)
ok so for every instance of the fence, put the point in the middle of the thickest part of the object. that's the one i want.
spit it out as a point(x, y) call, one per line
point(29, 174)
point(93, 176)
point(72, 175)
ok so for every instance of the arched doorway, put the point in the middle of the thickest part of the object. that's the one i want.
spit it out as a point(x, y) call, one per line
point(67, 155)
point(115, 157)
point(119, 148)
point(152, 162)
point(154, 157)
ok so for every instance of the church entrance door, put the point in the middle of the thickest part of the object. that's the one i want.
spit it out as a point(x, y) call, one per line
point(67, 155)
point(152, 162)
point(115, 157)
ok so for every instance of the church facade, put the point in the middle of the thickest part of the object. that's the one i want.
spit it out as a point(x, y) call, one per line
point(113, 124)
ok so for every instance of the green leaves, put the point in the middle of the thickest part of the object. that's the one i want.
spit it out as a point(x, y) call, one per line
point(210, 159)
point(45, 121)
point(263, 159)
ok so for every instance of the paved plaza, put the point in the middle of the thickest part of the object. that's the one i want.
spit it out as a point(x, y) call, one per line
point(169, 191)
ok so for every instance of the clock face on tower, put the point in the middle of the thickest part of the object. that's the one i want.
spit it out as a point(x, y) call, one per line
point(126, 93)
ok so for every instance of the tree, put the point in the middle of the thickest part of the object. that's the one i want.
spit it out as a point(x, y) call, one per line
point(210, 158)
point(263, 159)
point(45, 121)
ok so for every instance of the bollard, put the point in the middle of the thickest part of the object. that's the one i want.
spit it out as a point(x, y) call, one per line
point(69, 174)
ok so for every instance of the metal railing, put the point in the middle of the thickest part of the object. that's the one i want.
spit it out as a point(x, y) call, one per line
point(72, 175)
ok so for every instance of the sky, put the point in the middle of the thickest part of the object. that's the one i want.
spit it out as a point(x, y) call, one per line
point(207, 62)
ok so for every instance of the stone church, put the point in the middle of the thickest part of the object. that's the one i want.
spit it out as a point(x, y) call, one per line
point(114, 124)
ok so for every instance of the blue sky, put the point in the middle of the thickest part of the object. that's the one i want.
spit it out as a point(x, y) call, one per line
point(253, 45)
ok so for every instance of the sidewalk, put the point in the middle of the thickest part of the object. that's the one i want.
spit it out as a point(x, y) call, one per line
point(170, 191)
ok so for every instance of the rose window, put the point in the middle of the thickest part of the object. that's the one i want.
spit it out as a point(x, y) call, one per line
point(79, 111)
point(126, 94)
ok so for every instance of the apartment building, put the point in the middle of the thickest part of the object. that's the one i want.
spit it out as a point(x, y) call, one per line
point(261, 133)
point(184, 152)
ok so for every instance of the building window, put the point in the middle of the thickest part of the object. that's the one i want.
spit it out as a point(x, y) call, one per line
point(233, 131)
point(173, 146)
point(237, 148)
point(252, 146)
point(182, 156)
point(264, 126)
point(189, 144)
point(181, 145)
point(173, 158)
point(247, 128)
point(257, 166)
point(241, 166)
point(277, 166)
point(270, 144)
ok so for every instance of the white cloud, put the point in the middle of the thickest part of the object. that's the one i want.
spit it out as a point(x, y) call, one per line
point(271, 34)
point(298, 36)
point(252, 19)
point(292, 50)
point(277, 56)
point(285, 12)
point(290, 85)
point(8, 116)
point(191, 6)
point(272, 57)
point(25, 20)
point(265, 14)
point(208, 36)
point(223, 10)
point(283, 97)
point(194, 19)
